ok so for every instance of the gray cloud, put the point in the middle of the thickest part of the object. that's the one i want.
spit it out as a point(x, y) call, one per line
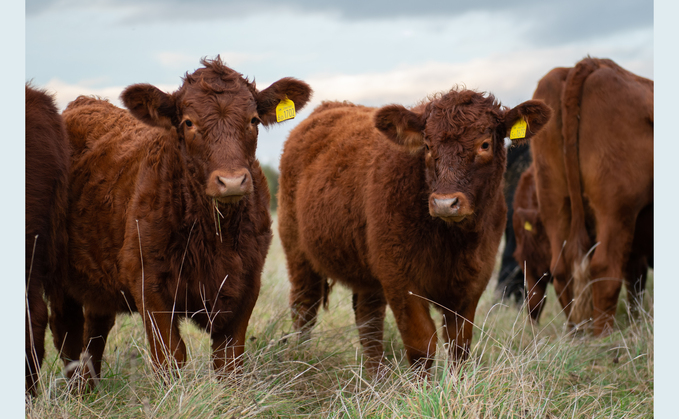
point(543, 22)
point(584, 19)
point(547, 22)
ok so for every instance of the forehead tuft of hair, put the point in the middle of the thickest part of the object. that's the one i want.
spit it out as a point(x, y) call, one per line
point(461, 110)
point(216, 77)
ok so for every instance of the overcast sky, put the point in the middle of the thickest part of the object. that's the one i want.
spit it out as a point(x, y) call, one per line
point(368, 52)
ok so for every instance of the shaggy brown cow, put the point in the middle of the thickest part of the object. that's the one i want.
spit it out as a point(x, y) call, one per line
point(169, 213)
point(404, 207)
point(47, 158)
point(594, 166)
point(533, 252)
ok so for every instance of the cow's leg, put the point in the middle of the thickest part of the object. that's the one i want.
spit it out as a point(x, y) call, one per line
point(536, 290)
point(228, 350)
point(67, 324)
point(369, 310)
point(162, 331)
point(306, 295)
point(564, 293)
point(561, 275)
point(635, 281)
point(458, 328)
point(36, 323)
point(555, 215)
point(228, 346)
point(97, 328)
point(416, 326)
point(641, 257)
point(614, 233)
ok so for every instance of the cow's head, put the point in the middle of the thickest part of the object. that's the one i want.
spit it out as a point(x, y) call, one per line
point(460, 135)
point(216, 113)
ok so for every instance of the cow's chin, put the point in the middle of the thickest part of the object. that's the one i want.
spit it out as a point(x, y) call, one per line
point(228, 200)
point(458, 220)
point(455, 219)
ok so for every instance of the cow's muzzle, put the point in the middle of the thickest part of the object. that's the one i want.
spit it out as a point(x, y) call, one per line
point(229, 186)
point(449, 207)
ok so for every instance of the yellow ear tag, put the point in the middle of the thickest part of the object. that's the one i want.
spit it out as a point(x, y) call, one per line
point(527, 226)
point(518, 130)
point(285, 110)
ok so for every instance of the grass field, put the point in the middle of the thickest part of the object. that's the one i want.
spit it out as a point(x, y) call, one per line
point(516, 369)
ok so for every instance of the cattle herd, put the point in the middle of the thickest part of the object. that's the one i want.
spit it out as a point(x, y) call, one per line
point(163, 209)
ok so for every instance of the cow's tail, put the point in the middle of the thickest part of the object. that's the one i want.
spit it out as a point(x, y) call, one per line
point(578, 244)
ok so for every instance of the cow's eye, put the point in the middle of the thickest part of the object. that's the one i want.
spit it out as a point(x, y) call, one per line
point(426, 146)
point(188, 123)
point(485, 145)
point(255, 121)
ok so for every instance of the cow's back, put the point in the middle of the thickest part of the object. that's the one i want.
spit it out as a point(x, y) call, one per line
point(109, 148)
point(324, 170)
point(324, 132)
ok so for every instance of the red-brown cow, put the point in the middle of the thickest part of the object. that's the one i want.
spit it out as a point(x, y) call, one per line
point(594, 167)
point(47, 159)
point(404, 207)
point(169, 213)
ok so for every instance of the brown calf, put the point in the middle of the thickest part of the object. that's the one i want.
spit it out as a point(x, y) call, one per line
point(594, 170)
point(169, 213)
point(403, 206)
point(47, 159)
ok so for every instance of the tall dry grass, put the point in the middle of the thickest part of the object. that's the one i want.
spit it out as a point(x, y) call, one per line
point(516, 369)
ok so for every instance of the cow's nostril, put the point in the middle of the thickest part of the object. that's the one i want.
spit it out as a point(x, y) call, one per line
point(454, 202)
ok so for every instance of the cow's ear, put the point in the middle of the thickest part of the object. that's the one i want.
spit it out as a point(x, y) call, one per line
point(526, 219)
point(150, 105)
point(402, 126)
point(527, 214)
point(535, 113)
point(267, 100)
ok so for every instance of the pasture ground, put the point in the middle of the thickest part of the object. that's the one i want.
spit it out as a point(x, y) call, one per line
point(516, 370)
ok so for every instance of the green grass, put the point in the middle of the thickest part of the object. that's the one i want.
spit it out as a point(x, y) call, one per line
point(516, 369)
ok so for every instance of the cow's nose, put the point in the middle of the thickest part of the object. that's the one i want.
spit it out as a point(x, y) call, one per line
point(229, 186)
point(450, 207)
point(447, 203)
